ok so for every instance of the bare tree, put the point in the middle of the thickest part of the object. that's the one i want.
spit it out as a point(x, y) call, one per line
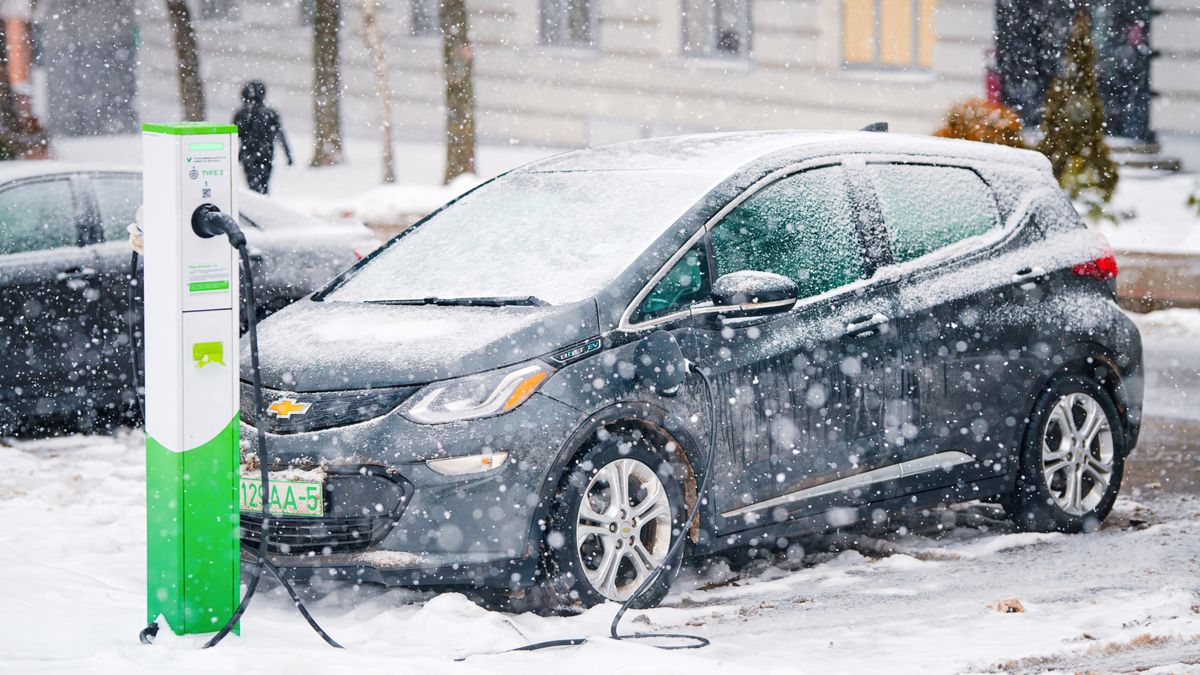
point(382, 85)
point(191, 86)
point(327, 83)
point(457, 67)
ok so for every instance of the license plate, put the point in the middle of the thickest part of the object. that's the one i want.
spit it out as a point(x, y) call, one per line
point(288, 497)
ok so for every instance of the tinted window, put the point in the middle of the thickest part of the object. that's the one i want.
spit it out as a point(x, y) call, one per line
point(685, 284)
point(37, 216)
point(930, 207)
point(118, 199)
point(801, 227)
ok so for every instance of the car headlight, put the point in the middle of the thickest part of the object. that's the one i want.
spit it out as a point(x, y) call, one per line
point(482, 395)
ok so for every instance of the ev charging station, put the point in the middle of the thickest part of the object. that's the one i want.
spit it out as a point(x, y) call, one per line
point(191, 345)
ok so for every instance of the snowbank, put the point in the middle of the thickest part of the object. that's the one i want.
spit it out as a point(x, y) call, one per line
point(1162, 221)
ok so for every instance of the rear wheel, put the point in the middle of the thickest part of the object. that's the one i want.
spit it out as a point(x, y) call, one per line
point(1072, 460)
point(615, 516)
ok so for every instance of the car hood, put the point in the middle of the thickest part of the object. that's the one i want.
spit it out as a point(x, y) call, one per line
point(327, 346)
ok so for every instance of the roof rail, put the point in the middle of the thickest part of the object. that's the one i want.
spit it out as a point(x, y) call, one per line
point(881, 127)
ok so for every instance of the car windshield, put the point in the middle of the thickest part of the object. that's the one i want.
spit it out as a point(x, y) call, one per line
point(531, 237)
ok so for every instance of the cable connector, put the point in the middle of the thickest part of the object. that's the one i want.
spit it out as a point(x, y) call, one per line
point(209, 221)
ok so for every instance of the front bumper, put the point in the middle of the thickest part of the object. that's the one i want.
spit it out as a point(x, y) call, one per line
point(390, 519)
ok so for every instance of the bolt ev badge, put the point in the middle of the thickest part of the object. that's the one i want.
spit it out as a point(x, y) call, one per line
point(286, 407)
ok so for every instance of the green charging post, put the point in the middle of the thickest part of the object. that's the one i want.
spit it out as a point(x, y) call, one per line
point(191, 345)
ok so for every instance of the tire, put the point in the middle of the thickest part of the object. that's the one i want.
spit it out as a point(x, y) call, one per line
point(1074, 439)
point(591, 553)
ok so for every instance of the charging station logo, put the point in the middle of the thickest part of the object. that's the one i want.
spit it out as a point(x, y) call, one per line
point(204, 353)
point(286, 407)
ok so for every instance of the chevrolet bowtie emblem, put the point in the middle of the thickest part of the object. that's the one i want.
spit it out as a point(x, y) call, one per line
point(286, 407)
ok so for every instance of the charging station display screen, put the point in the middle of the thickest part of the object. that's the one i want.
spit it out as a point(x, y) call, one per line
point(206, 147)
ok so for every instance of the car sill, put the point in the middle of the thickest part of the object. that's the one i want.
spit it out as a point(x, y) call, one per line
point(940, 461)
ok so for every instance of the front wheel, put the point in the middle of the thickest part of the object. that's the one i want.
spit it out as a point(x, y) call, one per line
point(1072, 460)
point(615, 516)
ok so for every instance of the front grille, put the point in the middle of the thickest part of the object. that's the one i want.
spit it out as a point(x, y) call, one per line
point(362, 504)
point(293, 535)
point(323, 409)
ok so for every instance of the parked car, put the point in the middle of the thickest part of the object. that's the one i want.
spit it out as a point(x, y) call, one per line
point(891, 322)
point(64, 275)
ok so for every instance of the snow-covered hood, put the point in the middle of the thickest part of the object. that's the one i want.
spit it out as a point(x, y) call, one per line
point(328, 346)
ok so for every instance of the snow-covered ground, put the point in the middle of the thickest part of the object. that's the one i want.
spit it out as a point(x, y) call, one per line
point(1161, 221)
point(72, 558)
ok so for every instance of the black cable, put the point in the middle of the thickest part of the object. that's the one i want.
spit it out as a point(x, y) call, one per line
point(129, 315)
point(250, 307)
point(697, 641)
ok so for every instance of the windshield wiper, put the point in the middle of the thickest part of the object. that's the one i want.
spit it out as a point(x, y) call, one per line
point(526, 301)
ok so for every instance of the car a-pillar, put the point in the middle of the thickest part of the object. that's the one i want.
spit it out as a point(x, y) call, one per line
point(191, 343)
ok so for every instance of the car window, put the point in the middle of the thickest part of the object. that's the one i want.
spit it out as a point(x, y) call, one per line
point(685, 284)
point(930, 207)
point(117, 198)
point(801, 227)
point(37, 216)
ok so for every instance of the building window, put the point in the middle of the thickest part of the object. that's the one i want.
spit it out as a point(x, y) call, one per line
point(567, 23)
point(716, 27)
point(423, 21)
point(218, 10)
point(888, 33)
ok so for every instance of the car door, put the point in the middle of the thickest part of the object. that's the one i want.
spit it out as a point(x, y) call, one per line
point(801, 395)
point(960, 272)
point(48, 301)
point(112, 201)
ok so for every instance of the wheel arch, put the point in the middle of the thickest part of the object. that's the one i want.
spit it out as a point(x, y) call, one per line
point(1096, 362)
point(669, 433)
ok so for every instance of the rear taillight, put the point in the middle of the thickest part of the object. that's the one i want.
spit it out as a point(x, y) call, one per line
point(1104, 267)
point(359, 256)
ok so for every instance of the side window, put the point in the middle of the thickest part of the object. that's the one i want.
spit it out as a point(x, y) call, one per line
point(801, 227)
point(37, 216)
point(117, 198)
point(930, 207)
point(685, 284)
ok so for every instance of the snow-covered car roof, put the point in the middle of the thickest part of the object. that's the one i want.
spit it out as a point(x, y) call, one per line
point(724, 153)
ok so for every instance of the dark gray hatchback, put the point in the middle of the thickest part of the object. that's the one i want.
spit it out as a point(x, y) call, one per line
point(890, 322)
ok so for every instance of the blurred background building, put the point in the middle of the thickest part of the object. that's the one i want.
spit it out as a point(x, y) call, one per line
point(576, 72)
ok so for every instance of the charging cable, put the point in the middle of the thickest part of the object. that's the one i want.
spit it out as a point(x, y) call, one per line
point(208, 221)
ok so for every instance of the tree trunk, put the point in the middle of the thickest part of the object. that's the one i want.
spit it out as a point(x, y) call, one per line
point(457, 61)
point(327, 84)
point(191, 86)
point(382, 86)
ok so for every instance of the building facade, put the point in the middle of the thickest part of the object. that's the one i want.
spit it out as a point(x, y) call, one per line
point(578, 72)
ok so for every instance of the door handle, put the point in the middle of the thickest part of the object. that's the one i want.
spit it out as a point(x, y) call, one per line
point(1028, 277)
point(866, 326)
point(76, 273)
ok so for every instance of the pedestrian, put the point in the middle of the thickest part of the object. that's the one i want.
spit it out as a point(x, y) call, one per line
point(258, 128)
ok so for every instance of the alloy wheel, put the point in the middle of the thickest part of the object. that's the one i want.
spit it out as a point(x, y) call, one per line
point(623, 530)
point(1077, 453)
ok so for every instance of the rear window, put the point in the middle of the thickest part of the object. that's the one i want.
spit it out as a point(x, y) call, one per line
point(927, 208)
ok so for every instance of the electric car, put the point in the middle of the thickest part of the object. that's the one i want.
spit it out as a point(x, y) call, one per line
point(889, 322)
point(64, 277)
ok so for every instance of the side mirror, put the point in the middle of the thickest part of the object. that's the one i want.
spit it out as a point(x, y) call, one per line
point(745, 294)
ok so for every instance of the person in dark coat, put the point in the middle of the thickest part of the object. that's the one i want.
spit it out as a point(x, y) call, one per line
point(258, 128)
